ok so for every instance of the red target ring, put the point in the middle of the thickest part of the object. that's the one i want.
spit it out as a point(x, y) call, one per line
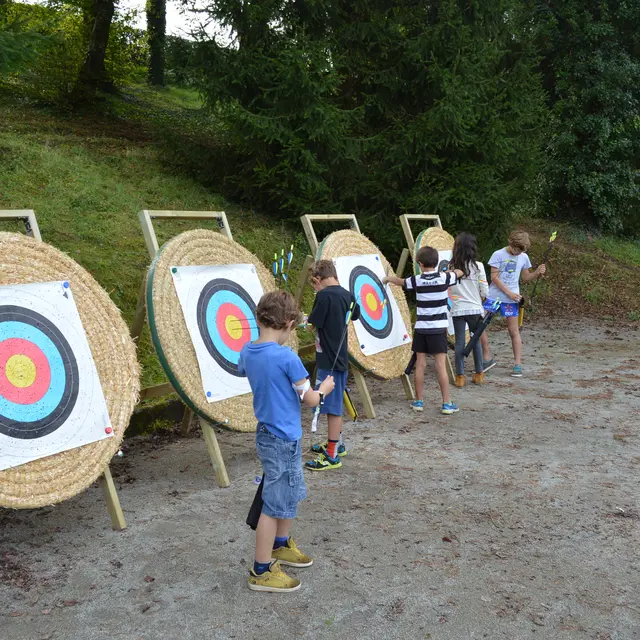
point(370, 300)
point(233, 326)
point(32, 383)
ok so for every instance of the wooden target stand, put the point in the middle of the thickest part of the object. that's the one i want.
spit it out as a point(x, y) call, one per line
point(408, 252)
point(312, 239)
point(146, 218)
point(118, 523)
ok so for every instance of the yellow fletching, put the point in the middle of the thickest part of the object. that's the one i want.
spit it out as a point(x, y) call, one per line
point(553, 236)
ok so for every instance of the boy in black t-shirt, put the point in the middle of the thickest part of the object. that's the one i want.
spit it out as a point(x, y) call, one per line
point(328, 317)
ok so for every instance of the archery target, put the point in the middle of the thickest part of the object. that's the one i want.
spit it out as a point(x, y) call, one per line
point(380, 326)
point(219, 307)
point(50, 395)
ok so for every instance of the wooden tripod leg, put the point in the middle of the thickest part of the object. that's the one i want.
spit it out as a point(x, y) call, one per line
point(407, 386)
point(187, 419)
point(361, 385)
point(304, 277)
point(141, 310)
point(450, 370)
point(215, 454)
point(113, 503)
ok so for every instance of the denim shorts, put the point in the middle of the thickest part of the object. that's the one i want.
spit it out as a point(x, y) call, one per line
point(333, 403)
point(282, 471)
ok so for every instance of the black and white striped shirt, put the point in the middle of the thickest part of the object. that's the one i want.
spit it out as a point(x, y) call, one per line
point(431, 300)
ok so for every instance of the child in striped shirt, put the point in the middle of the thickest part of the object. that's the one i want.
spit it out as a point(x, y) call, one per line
point(430, 332)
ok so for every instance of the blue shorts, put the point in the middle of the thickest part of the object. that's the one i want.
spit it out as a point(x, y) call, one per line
point(282, 471)
point(334, 402)
point(507, 309)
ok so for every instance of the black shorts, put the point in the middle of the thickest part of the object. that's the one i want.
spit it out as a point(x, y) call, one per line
point(430, 343)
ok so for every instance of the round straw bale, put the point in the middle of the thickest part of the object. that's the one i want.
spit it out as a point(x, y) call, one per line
point(386, 364)
point(58, 477)
point(169, 329)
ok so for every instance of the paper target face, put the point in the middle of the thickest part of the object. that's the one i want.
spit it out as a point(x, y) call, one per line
point(372, 297)
point(380, 326)
point(50, 395)
point(219, 306)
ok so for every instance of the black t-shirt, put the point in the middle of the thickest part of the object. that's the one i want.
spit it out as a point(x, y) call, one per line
point(328, 317)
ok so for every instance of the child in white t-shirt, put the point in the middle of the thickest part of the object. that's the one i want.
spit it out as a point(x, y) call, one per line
point(508, 266)
point(466, 308)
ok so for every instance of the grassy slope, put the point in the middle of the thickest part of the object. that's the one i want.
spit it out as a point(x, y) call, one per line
point(87, 177)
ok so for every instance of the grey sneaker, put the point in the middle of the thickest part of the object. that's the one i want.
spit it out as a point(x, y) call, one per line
point(489, 364)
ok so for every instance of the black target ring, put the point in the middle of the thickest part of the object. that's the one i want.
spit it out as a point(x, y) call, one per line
point(226, 316)
point(371, 295)
point(22, 415)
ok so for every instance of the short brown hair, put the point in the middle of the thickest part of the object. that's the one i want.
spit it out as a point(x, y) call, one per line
point(520, 240)
point(323, 269)
point(428, 257)
point(277, 309)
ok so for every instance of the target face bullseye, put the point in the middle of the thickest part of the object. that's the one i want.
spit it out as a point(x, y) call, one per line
point(370, 294)
point(38, 374)
point(226, 317)
point(50, 394)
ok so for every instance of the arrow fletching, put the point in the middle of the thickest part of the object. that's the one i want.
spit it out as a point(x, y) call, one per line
point(553, 236)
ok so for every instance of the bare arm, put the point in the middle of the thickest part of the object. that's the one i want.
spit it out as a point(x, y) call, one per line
point(391, 279)
point(528, 274)
point(311, 397)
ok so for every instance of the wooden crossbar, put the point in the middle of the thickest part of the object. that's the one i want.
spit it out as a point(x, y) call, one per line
point(405, 221)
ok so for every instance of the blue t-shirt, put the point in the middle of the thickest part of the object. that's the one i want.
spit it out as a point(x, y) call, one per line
point(272, 369)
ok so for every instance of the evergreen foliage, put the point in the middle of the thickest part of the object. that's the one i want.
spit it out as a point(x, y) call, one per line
point(591, 70)
point(378, 108)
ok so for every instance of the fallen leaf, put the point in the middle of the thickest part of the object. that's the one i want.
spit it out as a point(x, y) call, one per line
point(446, 539)
point(69, 603)
point(149, 579)
point(16, 614)
point(146, 608)
point(46, 612)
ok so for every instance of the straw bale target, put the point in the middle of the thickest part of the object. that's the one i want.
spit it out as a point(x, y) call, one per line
point(202, 292)
point(69, 378)
point(391, 362)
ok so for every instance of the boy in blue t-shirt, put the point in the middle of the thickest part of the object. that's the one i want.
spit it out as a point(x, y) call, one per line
point(509, 265)
point(279, 383)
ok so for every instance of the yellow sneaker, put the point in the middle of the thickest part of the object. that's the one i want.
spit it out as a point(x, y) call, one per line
point(291, 556)
point(275, 580)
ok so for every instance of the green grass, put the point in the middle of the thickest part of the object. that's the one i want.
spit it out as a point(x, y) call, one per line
point(625, 251)
point(87, 181)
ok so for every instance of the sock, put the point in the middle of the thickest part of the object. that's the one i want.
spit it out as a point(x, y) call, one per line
point(332, 448)
point(261, 567)
point(340, 440)
point(280, 542)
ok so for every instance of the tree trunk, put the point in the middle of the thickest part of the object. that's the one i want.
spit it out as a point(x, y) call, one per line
point(156, 30)
point(93, 74)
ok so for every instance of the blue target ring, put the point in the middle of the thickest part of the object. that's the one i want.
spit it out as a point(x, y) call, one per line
point(370, 294)
point(24, 414)
point(226, 316)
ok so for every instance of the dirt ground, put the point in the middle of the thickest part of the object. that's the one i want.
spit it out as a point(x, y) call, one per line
point(517, 518)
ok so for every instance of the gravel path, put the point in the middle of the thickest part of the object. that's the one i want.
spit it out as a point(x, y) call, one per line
point(517, 518)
